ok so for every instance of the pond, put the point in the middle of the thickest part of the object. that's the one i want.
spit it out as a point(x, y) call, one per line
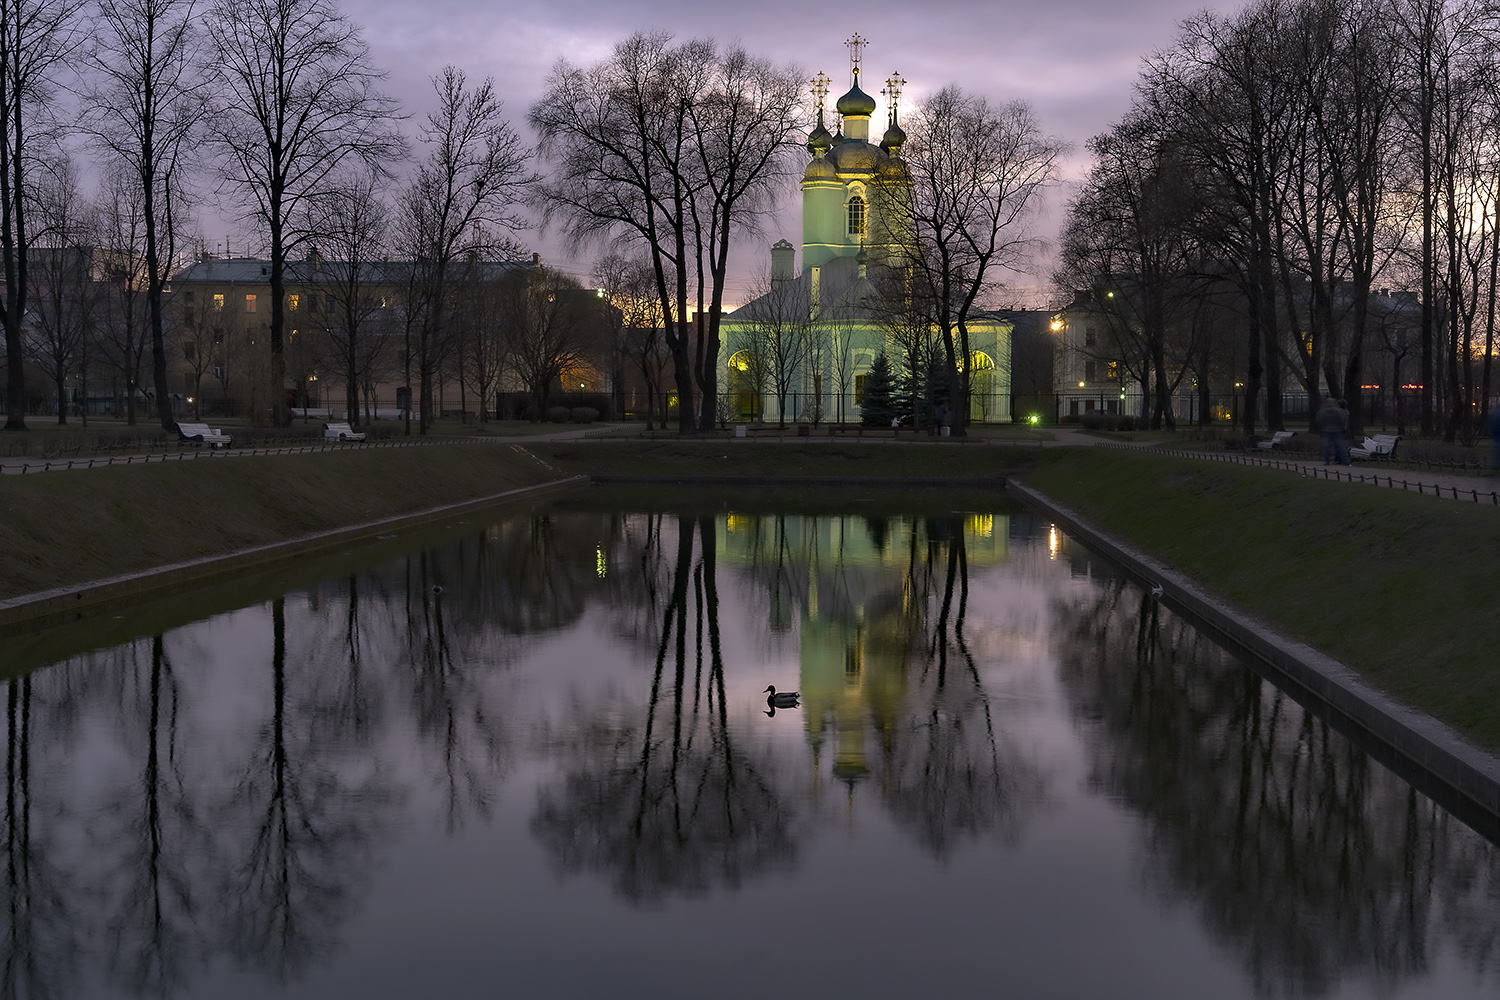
point(532, 755)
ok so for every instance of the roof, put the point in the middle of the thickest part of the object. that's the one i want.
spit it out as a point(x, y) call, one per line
point(255, 271)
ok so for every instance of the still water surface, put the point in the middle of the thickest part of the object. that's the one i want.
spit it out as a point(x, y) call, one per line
point(535, 759)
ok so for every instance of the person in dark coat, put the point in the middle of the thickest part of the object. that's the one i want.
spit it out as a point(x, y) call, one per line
point(1332, 420)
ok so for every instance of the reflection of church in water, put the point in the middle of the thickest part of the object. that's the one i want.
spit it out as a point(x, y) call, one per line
point(863, 592)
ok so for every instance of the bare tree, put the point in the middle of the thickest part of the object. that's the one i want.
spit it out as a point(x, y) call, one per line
point(673, 149)
point(123, 331)
point(745, 125)
point(64, 293)
point(630, 295)
point(1128, 238)
point(553, 326)
point(460, 204)
point(145, 112)
point(774, 331)
point(976, 171)
point(36, 36)
point(483, 347)
point(347, 279)
point(298, 101)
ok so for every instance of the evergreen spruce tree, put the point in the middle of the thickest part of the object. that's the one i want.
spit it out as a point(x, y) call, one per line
point(877, 408)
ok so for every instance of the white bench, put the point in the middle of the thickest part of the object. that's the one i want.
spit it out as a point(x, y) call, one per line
point(1276, 440)
point(201, 434)
point(341, 432)
point(1381, 447)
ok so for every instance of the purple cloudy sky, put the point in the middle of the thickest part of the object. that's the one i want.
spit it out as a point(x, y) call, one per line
point(1074, 60)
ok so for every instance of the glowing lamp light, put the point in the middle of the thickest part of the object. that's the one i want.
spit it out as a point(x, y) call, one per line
point(1034, 419)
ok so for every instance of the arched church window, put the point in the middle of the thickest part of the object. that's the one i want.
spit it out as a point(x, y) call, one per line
point(856, 216)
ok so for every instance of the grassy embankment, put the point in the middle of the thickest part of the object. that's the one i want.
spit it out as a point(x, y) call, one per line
point(64, 528)
point(1399, 587)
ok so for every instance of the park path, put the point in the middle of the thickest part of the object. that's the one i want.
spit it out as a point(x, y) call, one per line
point(24, 465)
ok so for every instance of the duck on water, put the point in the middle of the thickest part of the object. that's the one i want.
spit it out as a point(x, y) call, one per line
point(775, 700)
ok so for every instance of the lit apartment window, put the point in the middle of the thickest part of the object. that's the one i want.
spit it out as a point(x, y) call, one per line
point(218, 303)
point(292, 301)
point(249, 303)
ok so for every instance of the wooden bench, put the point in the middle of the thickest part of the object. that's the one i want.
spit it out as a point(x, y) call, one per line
point(1276, 441)
point(341, 432)
point(202, 434)
point(1381, 447)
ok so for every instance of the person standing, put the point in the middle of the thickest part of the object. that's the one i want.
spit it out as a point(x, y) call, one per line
point(1332, 421)
point(1492, 424)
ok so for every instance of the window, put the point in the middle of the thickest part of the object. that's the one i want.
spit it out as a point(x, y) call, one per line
point(1088, 336)
point(219, 337)
point(1088, 371)
point(859, 387)
point(188, 295)
point(328, 303)
point(1112, 370)
point(189, 352)
point(219, 372)
point(249, 303)
point(292, 302)
point(856, 216)
point(218, 303)
point(187, 315)
point(314, 303)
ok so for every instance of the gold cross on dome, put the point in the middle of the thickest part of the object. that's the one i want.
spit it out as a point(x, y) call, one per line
point(892, 91)
point(820, 88)
point(856, 45)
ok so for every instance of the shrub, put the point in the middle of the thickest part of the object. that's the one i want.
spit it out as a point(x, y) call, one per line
point(584, 414)
point(558, 414)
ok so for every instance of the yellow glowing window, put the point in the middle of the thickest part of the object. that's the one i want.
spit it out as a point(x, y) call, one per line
point(249, 303)
point(218, 303)
point(292, 302)
point(856, 216)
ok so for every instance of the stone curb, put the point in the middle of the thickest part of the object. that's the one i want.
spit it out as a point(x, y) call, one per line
point(51, 607)
point(982, 482)
point(1459, 776)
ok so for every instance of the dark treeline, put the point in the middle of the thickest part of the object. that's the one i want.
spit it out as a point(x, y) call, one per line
point(1303, 198)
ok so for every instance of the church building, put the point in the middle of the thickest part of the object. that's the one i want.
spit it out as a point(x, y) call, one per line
point(803, 349)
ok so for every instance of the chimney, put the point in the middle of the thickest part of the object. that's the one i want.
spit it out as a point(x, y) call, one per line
point(783, 263)
point(536, 260)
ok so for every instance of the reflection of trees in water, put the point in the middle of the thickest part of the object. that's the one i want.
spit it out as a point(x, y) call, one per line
point(952, 772)
point(1311, 860)
point(153, 832)
point(301, 830)
point(667, 803)
point(41, 915)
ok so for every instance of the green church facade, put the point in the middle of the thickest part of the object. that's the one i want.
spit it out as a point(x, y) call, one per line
point(800, 352)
